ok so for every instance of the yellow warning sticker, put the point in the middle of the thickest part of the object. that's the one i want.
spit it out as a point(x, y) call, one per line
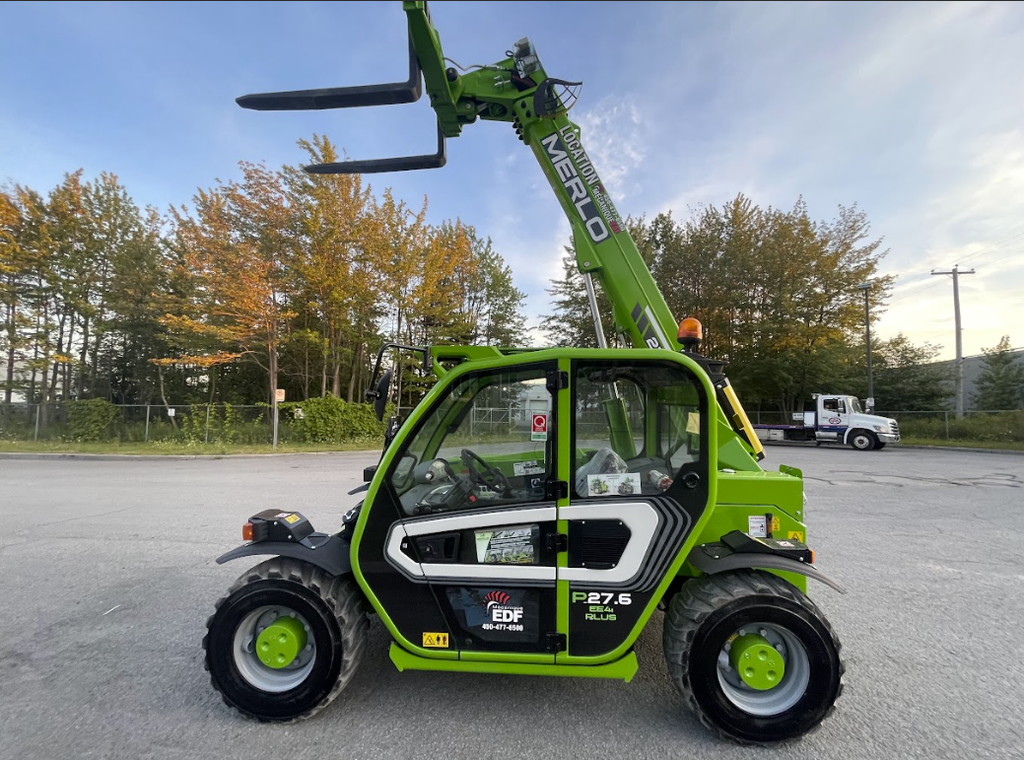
point(776, 525)
point(436, 640)
point(797, 534)
point(291, 518)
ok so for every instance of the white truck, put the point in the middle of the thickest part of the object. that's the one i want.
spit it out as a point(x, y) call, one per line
point(831, 418)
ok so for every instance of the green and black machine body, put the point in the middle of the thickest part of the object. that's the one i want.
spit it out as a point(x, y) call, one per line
point(622, 484)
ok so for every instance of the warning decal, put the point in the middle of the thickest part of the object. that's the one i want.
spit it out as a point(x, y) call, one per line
point(796, 534)
point(436, 640)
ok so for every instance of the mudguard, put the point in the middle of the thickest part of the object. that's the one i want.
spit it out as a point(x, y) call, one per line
point(720, 557)
point(329, 553)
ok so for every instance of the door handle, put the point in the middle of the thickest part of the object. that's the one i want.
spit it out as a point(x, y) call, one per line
point(442, 547)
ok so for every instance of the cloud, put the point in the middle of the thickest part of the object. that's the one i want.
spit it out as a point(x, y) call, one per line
point(614, 137)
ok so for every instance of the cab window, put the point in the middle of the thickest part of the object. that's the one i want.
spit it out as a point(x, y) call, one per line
point(488, 442)
point(834, 405)
point(636, 427)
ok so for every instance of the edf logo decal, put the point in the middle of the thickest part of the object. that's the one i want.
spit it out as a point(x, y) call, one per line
point(506, 615)
point(498, 606)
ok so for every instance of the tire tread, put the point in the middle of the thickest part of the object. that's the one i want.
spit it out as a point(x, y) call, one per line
point(338, 593)
point(696, 602)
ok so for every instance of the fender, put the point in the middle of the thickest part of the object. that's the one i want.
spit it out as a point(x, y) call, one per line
point(289, 534)
point(739, 551)
point(329, 553)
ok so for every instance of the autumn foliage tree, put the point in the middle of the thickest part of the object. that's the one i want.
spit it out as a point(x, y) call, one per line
point(775, 291)
point(307, 276)
point(234, 248)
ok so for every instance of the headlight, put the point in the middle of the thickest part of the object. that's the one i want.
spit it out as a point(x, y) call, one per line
point(882, 428)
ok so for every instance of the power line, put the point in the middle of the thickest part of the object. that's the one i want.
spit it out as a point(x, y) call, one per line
point(996, 247)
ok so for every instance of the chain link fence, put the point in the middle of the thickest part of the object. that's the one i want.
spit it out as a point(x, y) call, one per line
point(144, 423)
point(253, 424)
point(199, 423)
point(975, 425)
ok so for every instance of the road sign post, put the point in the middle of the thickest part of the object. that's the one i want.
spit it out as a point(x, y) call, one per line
point(278, 398)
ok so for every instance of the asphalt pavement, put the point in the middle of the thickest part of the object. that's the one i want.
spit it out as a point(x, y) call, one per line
point(108, 576)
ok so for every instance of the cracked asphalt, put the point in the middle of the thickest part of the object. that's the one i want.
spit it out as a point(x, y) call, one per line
point(108, 576)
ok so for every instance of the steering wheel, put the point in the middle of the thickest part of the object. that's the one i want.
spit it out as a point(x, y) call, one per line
point(481, 473)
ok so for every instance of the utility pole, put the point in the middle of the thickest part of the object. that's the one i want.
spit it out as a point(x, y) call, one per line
point(869, 402)
point(959, 342)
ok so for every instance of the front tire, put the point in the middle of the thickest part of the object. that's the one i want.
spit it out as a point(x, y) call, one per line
point(789, 696)
point(322, 629)
point(862, 440)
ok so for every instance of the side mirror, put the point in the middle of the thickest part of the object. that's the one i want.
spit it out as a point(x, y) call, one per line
point(380, 400)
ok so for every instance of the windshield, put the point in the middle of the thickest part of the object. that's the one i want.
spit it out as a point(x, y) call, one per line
point(855, 405)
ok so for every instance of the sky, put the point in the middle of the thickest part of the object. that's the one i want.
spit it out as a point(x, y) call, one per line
point(913, 112)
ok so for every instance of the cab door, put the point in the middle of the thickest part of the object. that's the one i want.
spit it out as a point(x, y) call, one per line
point(639, 487)
point(833, 418)
point(468, 520)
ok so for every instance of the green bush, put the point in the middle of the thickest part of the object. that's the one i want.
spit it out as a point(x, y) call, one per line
point(331, 420)
point(90, 419)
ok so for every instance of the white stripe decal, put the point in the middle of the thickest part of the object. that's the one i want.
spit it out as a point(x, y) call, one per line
point(452, 523)
point(490, 572)
point(643, 522)
point(657, 328)
point(395, 555)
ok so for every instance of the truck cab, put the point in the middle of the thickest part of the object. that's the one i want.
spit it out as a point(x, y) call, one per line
point(840, 419)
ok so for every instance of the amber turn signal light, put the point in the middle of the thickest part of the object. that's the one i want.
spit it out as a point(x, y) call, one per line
point(247, 532)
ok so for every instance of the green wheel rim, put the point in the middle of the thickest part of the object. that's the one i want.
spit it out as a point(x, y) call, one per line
point(281, 642)
point(746, 691)
point(757, 662)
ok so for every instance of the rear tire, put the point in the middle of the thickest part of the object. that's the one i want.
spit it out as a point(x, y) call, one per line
point(707, 616)
point(329, 608)
point(862, 440)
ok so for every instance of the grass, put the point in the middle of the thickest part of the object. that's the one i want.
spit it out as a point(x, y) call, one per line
point(1004, 445)
point(178, 449)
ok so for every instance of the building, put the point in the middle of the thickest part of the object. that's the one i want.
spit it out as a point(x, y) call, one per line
point(20, 378)
point(974, 366)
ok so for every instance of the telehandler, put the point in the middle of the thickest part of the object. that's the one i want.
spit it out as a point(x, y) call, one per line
point(625, 481)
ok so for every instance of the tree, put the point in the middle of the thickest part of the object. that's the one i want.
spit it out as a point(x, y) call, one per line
point(906, 377)
point(776, 292)
point(572, 323)
point(14, 284)
point(130, 332)
point(233, 252)
point(1001, 384)
point(336, 278)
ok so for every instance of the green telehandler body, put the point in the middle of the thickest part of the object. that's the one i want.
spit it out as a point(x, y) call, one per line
point(614, 483)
